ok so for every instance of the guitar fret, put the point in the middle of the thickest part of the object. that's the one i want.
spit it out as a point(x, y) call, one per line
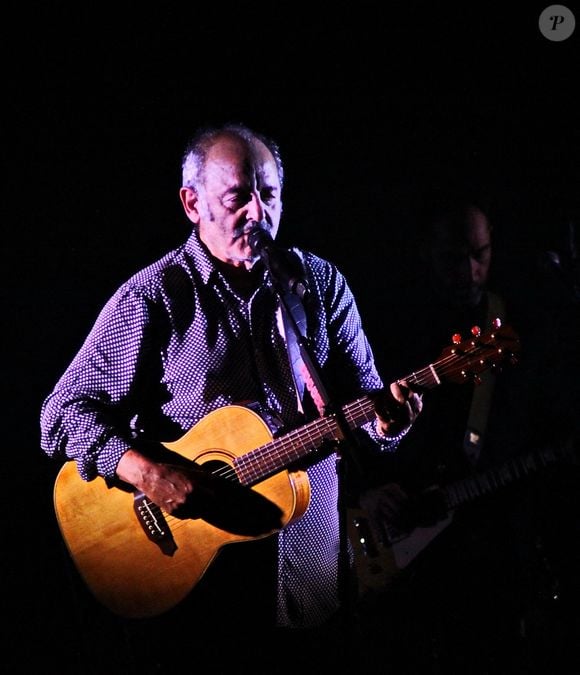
point(455, 364)
point(268, 459)
point(280, 453)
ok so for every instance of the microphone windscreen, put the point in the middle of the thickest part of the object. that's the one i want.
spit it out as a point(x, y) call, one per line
point(258, 239)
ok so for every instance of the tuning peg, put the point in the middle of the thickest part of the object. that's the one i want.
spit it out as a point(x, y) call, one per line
point(496, 323)
point(476, 331)
point(456, 338)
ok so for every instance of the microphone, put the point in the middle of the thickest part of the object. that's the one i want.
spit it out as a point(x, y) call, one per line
point(284, 266)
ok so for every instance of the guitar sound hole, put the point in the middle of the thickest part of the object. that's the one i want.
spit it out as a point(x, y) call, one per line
point(225, 503)
point(220, 469)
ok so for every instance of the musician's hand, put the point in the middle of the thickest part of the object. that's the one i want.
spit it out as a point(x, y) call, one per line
point(394, 513)
point(396, 408)
point(387, 506)
point(190, 491)
point(167, 485)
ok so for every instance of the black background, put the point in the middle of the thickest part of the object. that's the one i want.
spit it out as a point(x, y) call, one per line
point(369, 102)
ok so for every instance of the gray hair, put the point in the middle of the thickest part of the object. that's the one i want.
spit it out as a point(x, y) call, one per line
point(195, 154)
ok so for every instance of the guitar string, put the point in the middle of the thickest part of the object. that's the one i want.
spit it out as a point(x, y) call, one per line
point(287, 444)
point(275, 446)
point(488, 481)
point(416, 377)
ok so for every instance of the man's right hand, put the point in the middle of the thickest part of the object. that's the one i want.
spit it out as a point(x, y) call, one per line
point(190, 491)
point(167, 485)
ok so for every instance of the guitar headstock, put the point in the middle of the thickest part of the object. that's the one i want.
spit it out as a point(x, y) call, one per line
point(465, 360)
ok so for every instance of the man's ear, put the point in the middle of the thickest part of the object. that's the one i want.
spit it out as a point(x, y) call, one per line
point(189, 200)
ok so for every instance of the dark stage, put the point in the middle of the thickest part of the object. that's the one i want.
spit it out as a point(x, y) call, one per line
point(370, 106)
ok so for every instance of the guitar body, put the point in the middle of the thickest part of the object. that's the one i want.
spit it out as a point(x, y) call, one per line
point(131, 574)
point(378, 563)
point(374, 563)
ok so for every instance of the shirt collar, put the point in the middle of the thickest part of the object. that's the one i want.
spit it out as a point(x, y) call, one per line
point(202, 259)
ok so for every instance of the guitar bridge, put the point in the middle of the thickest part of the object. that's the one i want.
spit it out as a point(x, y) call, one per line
point(154, 524)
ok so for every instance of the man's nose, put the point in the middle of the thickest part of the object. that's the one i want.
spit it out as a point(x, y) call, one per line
point(477, 270)
point(255, 208)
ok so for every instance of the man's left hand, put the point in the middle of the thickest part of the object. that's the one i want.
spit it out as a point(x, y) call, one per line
point(397, 408)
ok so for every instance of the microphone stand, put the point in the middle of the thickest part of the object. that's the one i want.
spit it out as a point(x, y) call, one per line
point(292, 291)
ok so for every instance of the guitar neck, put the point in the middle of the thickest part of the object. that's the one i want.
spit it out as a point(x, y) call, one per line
point(459, 363)
point(283, 452)
point(486, 482)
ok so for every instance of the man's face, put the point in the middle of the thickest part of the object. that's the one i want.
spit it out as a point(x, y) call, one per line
point(241, 189)
point(460, 258)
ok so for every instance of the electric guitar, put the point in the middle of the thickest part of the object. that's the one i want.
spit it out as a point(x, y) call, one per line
point(140, 561)
point(382, 553)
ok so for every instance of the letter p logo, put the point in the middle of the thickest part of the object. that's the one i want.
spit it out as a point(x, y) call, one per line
point(557, 23)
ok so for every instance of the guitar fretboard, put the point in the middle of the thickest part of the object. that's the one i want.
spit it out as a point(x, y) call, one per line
point(459, 363)
point(285, 451)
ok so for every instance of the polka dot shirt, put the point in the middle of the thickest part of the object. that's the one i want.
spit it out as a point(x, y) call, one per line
point(176, 342)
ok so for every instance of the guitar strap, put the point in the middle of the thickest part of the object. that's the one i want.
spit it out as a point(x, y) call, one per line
point(482, 394)
point(307, 380)
point(303, 371)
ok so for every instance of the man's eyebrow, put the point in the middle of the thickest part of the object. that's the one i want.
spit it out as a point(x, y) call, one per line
point(236, 190)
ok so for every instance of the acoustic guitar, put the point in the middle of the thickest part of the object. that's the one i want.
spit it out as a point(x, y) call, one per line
point(140, 561)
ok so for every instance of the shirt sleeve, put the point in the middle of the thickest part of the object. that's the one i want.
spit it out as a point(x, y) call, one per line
point(358, 363)
point(87, 417)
